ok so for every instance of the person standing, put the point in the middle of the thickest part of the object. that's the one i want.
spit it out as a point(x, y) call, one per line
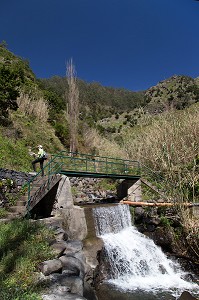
point(40, 158)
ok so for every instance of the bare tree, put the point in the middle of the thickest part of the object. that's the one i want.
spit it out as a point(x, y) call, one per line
point(73, 105)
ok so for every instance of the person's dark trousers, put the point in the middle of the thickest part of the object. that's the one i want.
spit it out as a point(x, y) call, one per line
point(41, 161)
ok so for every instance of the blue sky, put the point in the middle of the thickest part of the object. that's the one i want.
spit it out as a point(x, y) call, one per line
point(131, 44)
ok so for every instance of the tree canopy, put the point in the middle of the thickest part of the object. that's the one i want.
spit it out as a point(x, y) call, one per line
point(10, 81)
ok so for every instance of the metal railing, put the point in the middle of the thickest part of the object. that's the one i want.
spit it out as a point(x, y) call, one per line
point(87, 163)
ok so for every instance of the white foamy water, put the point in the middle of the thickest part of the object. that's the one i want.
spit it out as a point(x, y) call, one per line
point(136, 262)
point(111, 219)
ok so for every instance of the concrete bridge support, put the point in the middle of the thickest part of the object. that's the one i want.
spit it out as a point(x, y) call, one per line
point(77, 221)
point(130, 189)
point(73, 216)
point(195, 211)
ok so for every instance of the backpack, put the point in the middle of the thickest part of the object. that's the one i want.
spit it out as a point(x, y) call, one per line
point(45, 155)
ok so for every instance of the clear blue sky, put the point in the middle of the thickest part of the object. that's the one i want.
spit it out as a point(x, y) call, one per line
point(130, 44)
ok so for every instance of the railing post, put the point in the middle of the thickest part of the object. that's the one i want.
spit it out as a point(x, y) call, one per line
point(28, 203)
point(106, 166)
point(49, 171)
point(139, 168)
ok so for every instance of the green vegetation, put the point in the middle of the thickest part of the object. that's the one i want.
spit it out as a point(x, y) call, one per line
point(25, 132)
point(176, 92)
point(23, 246)
point(3, 213)
point(107, 184)
point(10, 80)
point(95, 98)
point(14, 74)
point(164, 221)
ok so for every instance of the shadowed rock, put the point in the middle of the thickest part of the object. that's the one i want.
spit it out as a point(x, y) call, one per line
point(187, 296)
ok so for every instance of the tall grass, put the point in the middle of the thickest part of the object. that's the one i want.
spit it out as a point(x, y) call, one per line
point(33, 106)
point(170, 146)
point(102, 146)
point(23, 246)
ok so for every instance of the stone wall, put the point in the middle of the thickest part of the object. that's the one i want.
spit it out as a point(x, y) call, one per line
point(19, 178)
point(10, 183)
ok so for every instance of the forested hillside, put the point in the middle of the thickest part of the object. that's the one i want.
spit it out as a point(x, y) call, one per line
point(176, 92)
point(95, 100)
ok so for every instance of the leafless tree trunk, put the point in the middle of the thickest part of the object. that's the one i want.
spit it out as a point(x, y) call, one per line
point(73, 105)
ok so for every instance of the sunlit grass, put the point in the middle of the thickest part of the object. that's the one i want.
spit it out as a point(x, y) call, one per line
point(23, 245)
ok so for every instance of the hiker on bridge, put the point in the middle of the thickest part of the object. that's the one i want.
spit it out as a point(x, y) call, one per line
point(40, 158)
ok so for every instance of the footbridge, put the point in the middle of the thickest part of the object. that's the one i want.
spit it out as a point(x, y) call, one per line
point(83, 165)
point(77, 165)
point(87, 165)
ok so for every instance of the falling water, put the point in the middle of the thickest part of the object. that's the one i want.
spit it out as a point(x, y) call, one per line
point(136, 262)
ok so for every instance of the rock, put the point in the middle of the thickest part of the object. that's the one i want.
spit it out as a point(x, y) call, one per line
point(66, 296)
point(151, 227)
point(58, 248)
point(162, 237)
point(62, 236)
point(19, 177)
point(62, 284)
point(186, 296)
point(72, 266)
point(78, 200)
point(89, 292)
point(74, 283)
point(74, 246)
point(88, 190)
point(78, 255)
point(50, 266)
point(139, 213)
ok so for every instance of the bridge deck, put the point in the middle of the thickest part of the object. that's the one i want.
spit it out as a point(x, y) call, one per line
point(99, 175)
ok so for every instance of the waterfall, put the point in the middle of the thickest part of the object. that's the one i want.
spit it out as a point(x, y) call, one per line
point(112, 219)
point(136, 262)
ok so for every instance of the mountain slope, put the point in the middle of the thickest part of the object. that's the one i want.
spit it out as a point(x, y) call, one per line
point(176, 92)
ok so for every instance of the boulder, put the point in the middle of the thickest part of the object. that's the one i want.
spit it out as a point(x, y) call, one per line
point(72, 266)
point(60, 235)
point(66, 296)
point(73, 246)
point(186, 296)
point(50, 266)
point(58, 248)
point(60, 284)
point(162, 237)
